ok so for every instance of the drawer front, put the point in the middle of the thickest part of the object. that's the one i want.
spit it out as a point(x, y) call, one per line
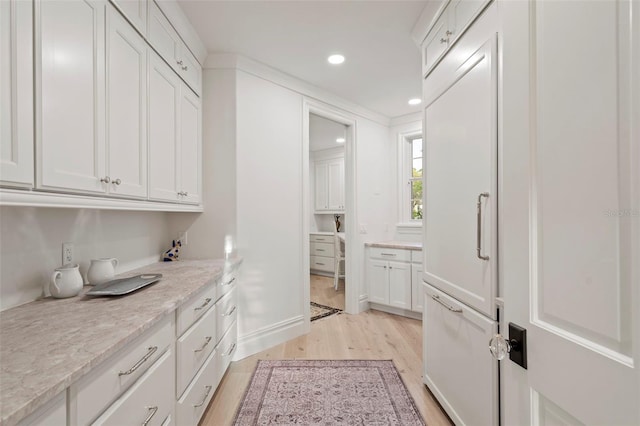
point(458, 342)
point(227, 312)
point(321, 238)
point(98, 389)
point(322, 249)
point(416, 256)
point(195, 399)
point(149, 401)
point(322, 263)
point(52, 413)
point(191, 311)
point(226, 348)
point(228, 282)
point(390, 254)
point(194, 347)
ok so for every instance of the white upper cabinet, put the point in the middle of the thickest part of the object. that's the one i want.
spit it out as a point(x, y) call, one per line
point(135, 11)
point(16, 93)
point(126, 108)
point(174, 137)
point(70, 95)
point(329, 185)
point(453, 21)
point(164, 97)
point(190, 146)
point(166, 41)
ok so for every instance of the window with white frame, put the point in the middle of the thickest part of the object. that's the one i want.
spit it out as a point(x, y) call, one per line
point(411, 179)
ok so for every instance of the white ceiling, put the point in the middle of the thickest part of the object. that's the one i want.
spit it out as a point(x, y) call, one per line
point(382, 68)
point(324, 132)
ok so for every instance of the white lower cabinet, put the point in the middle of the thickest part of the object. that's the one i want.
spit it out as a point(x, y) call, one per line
point(149, 401)
point(458, 367)
point(391, 282)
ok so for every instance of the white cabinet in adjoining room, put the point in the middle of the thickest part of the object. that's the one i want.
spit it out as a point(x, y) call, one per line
point(389, 277)
point(174, 136)
point(70, 95)
point(126, 108)
point(16, 93)
point(329, 185)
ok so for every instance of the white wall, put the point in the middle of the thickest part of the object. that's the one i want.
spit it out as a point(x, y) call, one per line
point(31, 244)
point(269, 208)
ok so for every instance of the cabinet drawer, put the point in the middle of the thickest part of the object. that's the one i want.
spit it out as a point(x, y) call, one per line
point(457, 342)
point(322, 263)
point(390, 254)
point(416, 256)
point(322, 249)
point(98, 389)
point(226, 348)
point(227, 312)
point(195, 400)
point(228, 282)
point(149, 401)
point(321, 238)
point(191, 311)
point(194, 347)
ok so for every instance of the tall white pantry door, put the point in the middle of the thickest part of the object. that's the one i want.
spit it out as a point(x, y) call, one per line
point(570, 210)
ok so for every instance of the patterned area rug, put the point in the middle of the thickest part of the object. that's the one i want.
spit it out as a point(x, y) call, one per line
point(330, 392)
point(320, 311)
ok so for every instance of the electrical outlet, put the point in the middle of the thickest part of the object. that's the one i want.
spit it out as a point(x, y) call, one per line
point(67, 253)
point(182, 236)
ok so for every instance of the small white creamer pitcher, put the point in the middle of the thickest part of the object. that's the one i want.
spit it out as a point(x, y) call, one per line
point(66, 281)
point(101, 270)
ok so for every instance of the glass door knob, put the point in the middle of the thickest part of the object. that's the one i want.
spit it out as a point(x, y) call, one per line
point(500, 347)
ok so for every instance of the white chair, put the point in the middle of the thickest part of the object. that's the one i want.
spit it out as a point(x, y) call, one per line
point(338, 257)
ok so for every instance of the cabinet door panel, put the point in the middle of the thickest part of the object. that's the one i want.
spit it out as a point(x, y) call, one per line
point(126, 108)
point(322, 191)
point(135, 11)
point(190, 146)
point(416, 288)
point(378, 279)
point(434, 46)
point(400, 285)
point(70, 94)
point(162, 37)
point(16, 93)
point(460, 166)
point(336, 184)
point(164, 96)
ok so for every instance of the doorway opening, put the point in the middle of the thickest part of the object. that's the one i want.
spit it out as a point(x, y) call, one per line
point(328, 208)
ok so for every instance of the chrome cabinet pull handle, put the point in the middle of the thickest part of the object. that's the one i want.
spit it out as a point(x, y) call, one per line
point(388, 254)
point(451, 308)
point(448, 33)
point(229, 282)
point(105, 179)
point(230, 311)
point(153, 411)
point(206, 394)
point(230, 350)
point(179, 62)
point(204, 305)
point(479, 227)
point(185, 68)
point(206, 342)
point(117, 182)
point(137, 365)
point(444, 40)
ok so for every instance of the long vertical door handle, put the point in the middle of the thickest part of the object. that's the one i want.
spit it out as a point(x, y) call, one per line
point(479, 227)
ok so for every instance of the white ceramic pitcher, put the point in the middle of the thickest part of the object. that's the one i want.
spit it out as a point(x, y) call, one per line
point(101, 270)
point(66, 281)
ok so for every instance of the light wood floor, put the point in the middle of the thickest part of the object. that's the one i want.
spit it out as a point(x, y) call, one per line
point(369, 335)
point(323, 292)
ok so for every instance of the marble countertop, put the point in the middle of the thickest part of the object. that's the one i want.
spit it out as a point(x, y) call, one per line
point(48, 344)
point(405, 245)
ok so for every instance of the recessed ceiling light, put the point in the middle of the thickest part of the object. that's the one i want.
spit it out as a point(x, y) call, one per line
point(335, 59)
point(340, 140)
point(415, 101)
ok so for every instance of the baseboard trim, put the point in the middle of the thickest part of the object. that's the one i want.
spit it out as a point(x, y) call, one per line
point(269, 336)
point(363, 303)
point(396, 311)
